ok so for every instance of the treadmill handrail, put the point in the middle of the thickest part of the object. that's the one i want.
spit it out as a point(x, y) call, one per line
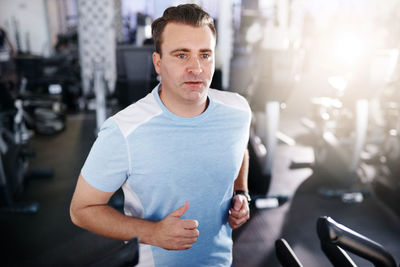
point(285, 254)
point(337, 234)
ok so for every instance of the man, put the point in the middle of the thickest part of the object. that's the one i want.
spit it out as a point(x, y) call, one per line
point(179, 155)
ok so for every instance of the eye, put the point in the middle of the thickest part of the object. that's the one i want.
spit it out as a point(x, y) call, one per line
point(181, 56)
point(205, 56)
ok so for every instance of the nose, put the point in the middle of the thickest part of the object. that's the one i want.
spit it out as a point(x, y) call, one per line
point(194, 66)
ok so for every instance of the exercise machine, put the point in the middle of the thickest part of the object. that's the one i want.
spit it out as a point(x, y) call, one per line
point(384, 147)
point(273, 81)
point(125, 255)
point(136, 76)
point(342, 125)
point(13, 157)
point(41, 92)
point(335, 240)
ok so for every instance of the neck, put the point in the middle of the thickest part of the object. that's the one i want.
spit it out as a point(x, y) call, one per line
point(182, 108)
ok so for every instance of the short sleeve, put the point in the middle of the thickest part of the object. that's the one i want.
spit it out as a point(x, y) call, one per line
point(107, 165)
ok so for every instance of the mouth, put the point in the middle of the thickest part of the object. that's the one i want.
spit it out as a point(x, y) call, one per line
point(194, 83)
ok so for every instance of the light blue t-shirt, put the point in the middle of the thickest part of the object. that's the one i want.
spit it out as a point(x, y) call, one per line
point(162, 160)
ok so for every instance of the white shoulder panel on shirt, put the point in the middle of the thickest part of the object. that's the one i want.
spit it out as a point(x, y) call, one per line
point(230, 99)
point(137, 114)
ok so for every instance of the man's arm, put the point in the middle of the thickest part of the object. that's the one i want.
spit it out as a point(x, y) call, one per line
point(90, 211)
point(241, 180)
point(240, 212)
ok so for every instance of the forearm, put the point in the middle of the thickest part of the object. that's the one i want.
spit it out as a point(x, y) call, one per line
point(90, 211)
point(106, 221)
point(241, 180)
point(239, 212)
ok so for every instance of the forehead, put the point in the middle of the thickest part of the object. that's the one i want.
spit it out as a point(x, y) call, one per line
point(187, 36)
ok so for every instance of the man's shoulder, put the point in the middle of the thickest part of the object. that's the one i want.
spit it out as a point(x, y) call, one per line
point(136, 114)
point(230, 99)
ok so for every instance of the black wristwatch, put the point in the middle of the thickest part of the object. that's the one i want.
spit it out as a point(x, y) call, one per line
point(244, 193)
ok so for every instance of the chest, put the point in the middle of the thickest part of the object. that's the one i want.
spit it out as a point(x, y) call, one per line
point(169, 147)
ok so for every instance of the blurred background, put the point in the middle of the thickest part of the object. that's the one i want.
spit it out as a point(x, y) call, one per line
point(322, 79)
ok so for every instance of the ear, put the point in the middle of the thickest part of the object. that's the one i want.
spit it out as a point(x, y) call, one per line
point(157, 62)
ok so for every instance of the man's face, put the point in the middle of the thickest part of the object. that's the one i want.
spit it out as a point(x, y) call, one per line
point(187, 63)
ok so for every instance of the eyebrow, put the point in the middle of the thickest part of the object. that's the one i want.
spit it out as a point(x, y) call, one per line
point(188, 50)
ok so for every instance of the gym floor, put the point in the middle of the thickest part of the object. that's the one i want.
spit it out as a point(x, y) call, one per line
point(48, 238)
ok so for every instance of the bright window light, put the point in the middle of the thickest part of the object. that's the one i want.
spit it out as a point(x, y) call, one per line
point(350, 48)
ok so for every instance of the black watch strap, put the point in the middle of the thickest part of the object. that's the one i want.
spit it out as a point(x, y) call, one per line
point(241, 192)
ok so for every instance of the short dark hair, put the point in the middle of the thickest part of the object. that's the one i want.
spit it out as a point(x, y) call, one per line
point(189, 14)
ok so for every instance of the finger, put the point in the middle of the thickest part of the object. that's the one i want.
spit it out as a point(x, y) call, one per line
point(241, 213)
point(180, 211)
point(189, 240)
point(234, 221)
point(186, 243)
point(187, 246)
point(244, 214)
point(241, 221)
point(191, 233)
point(190, 224)
point(234, 225)
point(237, 222)
point(237, 202)
point(180, 247)
point(235, 214)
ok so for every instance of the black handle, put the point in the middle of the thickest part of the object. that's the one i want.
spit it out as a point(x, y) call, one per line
point(333, 233)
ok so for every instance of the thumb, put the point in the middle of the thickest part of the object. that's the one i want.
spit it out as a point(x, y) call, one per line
point(180, 211)
point(237, 202)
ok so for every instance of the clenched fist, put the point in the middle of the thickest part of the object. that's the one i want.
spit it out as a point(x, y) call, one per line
point(173, 233)
point(239, 212)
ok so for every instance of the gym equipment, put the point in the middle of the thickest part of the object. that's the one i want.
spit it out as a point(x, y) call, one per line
point(258, 181)
point(285, 254)
point(338, 145)
point(13, 168)
point(13, 158)
point(384, 146)
point(123, 256)
point(335, 240)
point(14, 155)
point(100, 92)
point(342, 125)
point(41, 95)
point(136, 75)
point(271, 85)
point(64, 67)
